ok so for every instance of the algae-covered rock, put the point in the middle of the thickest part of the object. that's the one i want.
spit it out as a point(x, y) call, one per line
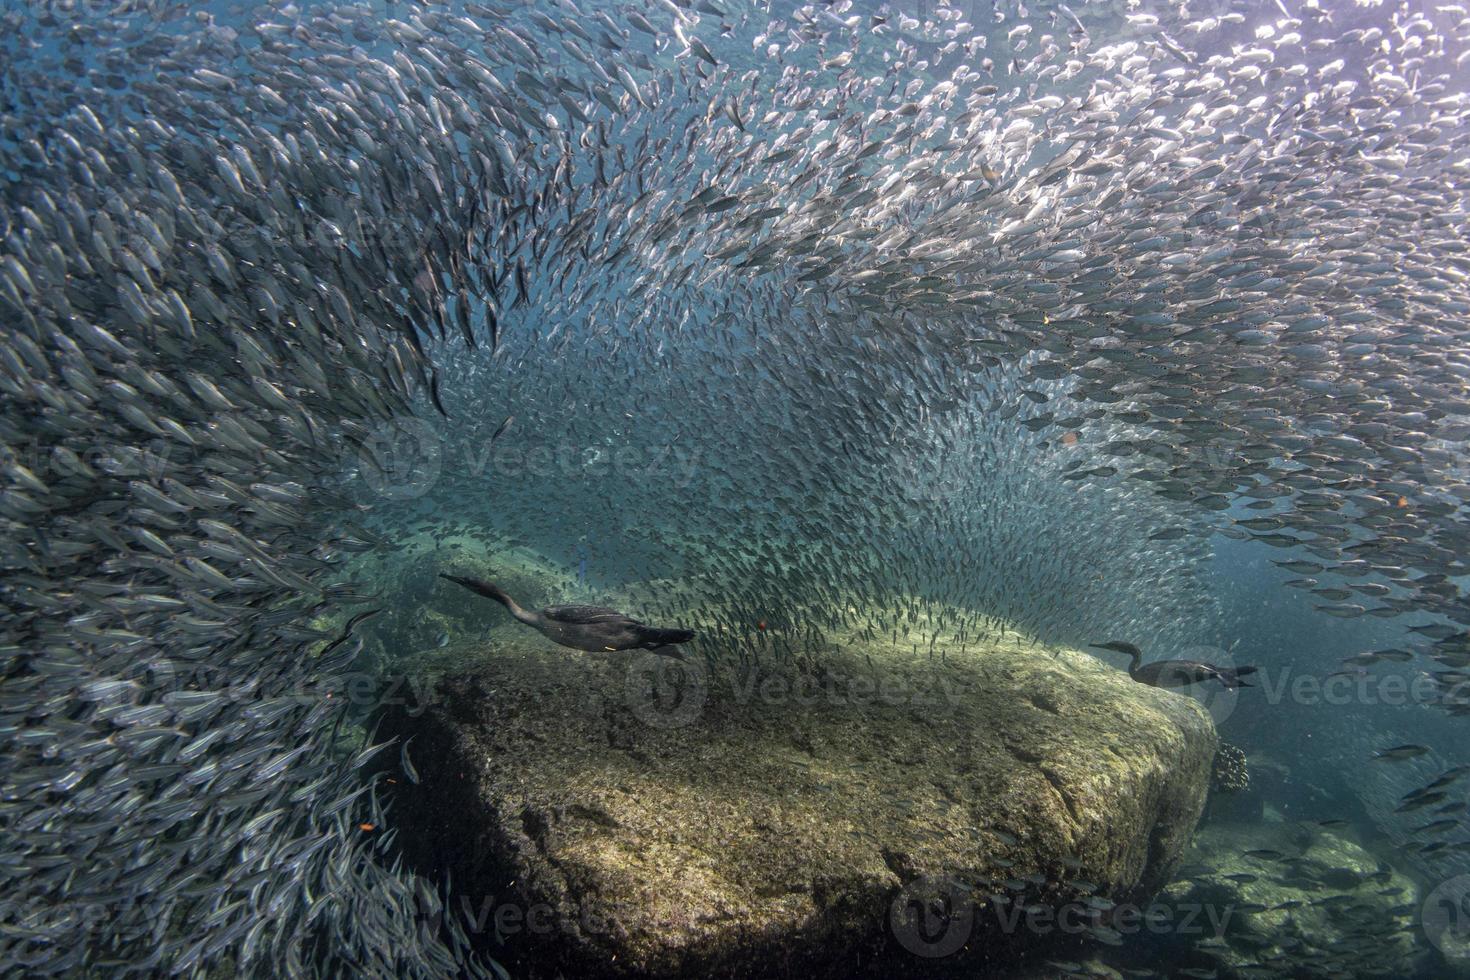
point(1295, 899)
point(632, 815)
point(1443, 920)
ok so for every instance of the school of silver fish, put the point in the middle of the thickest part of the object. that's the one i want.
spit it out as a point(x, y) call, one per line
point(988, 307)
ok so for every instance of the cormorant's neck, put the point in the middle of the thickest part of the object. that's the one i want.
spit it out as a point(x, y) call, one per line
point(1134, 659)
point(505, 600)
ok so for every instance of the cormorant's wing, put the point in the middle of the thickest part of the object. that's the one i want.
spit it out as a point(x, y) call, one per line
point(586, 615)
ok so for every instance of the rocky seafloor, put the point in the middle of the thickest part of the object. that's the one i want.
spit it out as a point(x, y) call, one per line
point(874, 809)
point(1291, 895)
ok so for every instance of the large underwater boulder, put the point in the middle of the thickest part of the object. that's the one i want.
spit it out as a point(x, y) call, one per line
point(876, 810)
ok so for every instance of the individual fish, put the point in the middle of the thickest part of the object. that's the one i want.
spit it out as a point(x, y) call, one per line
point(434, 393)
point(1401, 752)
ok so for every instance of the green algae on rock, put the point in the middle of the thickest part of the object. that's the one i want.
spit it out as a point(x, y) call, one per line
point(639, 816)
